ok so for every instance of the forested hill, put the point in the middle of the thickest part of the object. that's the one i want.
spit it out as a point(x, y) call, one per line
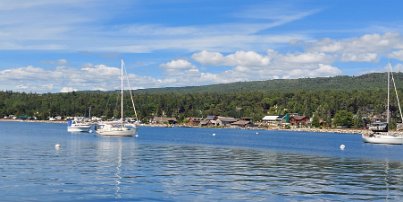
point(373, 81)
point(362, 97)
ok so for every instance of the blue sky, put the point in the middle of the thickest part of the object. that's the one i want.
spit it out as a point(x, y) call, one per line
point(66, 45)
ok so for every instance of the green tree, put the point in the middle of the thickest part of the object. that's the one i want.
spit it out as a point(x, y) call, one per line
point(358, 122)
point(343, 118)
point(316, 120)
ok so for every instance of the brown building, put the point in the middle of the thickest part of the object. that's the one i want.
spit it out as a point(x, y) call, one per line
point(225, 121)
point(299, 121)
point(242, 123)
point(194, 121)
point(163, 120)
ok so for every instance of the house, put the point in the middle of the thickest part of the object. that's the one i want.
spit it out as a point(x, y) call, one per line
point(299, 121)
point(210, 120)
point(225, 121)
point(247, 119)
point(211, 117)
point(194, 121)
point(163, 120)
point(272, 120)
point(242, 123)
point(204, 122)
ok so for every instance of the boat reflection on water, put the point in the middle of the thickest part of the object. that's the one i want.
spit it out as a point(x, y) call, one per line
point(118, 178)
point(110, 152)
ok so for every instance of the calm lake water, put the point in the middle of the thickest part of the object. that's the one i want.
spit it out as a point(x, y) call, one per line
point(194, 164)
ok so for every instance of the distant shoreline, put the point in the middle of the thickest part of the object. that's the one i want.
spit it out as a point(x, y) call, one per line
point(30, 121)
point(316, 130)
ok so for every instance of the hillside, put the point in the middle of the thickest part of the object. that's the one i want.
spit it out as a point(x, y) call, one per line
point(362, 96)
point(373, 81)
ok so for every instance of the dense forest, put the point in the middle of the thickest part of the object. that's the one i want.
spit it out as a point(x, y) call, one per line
point(361, 96)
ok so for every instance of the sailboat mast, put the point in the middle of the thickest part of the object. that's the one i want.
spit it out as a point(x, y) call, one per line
point(121, 90)
point(388, 110)
point(397, 98)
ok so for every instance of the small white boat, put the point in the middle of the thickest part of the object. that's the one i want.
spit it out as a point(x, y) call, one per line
point(380, 132)
point(120, 128)
point(76, 126)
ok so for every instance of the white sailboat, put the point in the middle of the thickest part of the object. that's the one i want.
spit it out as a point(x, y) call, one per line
point(118, 128)
point(77, 126)
point(380, 131)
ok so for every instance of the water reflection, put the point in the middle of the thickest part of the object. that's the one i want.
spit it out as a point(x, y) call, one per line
point(117, 174)
point(110, 151)
point(242, 174)
point(92, 168)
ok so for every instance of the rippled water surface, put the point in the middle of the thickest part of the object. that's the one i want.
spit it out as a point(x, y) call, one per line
point(190, 164)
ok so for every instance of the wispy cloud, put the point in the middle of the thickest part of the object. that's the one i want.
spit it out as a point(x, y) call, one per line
point(75, 26)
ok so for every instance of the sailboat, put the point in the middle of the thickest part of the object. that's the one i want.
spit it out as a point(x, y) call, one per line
point(380, 130)
point(77, 126)
point(119, 128)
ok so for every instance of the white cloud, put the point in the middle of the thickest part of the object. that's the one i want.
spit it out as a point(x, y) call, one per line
point(62, 62)
point(251, 65)
point(178, 64)
point(361, 57)
point(67, 89)
point(397, 55)
point(328, 45)
point(239, 58)
point(310, 57)
point(208, 58)
point(319, 58)
point(367, 48)
point(326, 70)
point(64, 79)
point(398, 68)
point(101, 70)
point(247, 58)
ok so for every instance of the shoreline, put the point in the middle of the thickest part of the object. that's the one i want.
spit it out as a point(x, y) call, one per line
point(31, 121)
point(315, 130)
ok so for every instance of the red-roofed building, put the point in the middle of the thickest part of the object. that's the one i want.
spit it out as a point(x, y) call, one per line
point(299, 121)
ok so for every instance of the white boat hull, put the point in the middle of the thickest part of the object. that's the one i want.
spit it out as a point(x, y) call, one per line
point(383, 138)
point(117, 131)
point(79, 128)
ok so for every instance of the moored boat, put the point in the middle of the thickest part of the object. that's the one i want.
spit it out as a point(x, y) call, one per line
point(77, 126)
point(120, 128)
point(380, 133)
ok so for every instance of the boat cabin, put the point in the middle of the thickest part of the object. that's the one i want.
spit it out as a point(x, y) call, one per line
point(379, 126)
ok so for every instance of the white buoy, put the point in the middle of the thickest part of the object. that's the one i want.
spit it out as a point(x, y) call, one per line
point(257, 133)
point(342, 147)
point(136, 135)
point(57, 146)
point(90, 131)
point(213, 134)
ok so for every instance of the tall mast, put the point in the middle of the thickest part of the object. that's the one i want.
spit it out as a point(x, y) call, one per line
point(397, 97)
point(388, 110)
point(121, 90)
point(131, 94)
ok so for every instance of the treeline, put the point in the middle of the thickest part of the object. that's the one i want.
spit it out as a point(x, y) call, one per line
point(321, 98)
